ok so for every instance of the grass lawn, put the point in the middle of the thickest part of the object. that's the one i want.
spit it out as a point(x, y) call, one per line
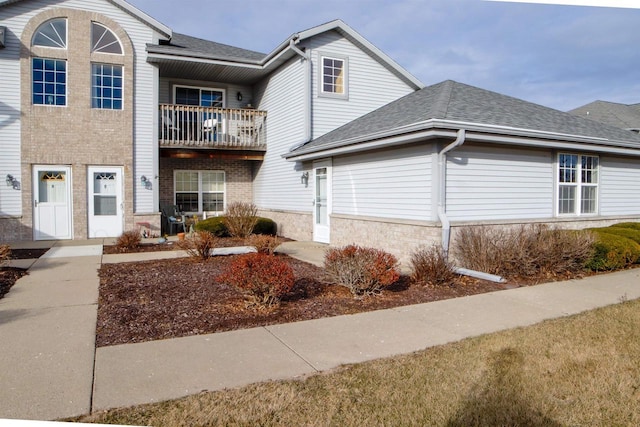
point(580, 370)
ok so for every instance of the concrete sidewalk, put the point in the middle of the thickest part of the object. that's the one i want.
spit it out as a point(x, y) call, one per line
point(48, 326)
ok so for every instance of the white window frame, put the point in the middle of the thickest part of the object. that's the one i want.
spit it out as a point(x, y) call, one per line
point(49, 22)
point(200, 192)
point(321, 75)
point(201, 88)
point(111, 32)
point(112, 98)
point(578, 186)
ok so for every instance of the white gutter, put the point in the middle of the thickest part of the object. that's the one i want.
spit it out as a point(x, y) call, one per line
point(442, 212)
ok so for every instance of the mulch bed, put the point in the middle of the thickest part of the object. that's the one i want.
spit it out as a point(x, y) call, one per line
point(151, 300)
point(167, 246)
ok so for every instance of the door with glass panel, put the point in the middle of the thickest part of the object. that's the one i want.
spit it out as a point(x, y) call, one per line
point(321, 201)
point(52, 205)
point(105, 205)
point(200, 124)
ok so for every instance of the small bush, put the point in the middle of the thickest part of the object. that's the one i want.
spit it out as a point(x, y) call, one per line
point(265, 226)
point(365, 271)
point(430, 266)
point(241, 218)
point(264, 243)
point(5, 254)
point(214, 225)
point(129, 240)
point(613, 252)
point(199, 244)
point(264, 279)
point(525, 251)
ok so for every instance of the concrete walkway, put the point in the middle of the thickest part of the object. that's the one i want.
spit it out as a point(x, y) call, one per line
point(47, 328)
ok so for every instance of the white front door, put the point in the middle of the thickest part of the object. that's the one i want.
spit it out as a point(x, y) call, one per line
point(322, 201)
point(52, 203)
point(106, 217)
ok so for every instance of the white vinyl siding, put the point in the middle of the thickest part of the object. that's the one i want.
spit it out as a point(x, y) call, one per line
point(278, 184)
point(499, 183)
point(619, 186)
point(390, 184)
point(369, 84)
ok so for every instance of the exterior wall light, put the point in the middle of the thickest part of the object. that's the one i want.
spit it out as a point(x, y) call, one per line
point(239, 96)
point(304, 179)
point(146, 183)
point(12, 182)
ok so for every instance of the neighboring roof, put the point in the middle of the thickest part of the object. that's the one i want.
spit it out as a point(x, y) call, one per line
point(132, 10)
point(612, 113)
point(185, 48)
point(451, 105)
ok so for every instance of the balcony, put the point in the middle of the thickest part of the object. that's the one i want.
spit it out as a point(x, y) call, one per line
point(192, 127)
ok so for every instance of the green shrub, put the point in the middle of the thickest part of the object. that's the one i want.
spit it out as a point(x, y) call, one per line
point(629, 233)
point(264, 279)
point(214, 225)
point(217, 225)
point(631, 225)
point(265, 226)
point(612, 251)
point(430, 266)
point(365, 271)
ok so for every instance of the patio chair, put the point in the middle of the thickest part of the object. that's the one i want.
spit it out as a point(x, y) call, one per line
point(172, 219)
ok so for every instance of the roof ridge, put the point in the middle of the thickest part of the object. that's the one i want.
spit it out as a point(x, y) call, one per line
point(441, 106)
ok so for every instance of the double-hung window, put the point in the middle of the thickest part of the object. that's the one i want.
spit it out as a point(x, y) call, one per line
point(333, 76)
point(200, 191)
point(577, 184)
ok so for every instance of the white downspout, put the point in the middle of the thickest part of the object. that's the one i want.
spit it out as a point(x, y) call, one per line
point(442, 211)
point(307, 84)
point(442, 167)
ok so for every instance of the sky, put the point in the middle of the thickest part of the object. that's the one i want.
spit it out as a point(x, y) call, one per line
point(555, 55)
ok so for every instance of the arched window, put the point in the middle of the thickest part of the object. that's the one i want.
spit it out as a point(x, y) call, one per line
point(52, 33)
point(103, 40)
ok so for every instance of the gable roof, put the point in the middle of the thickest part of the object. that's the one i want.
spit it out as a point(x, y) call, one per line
point(132, 10)
point(185, 48)
point(450, 105)
point(612, 113)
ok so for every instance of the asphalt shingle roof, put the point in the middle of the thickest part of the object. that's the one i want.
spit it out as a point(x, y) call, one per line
point(184, 45)
point(612, 113)
point(450, 100)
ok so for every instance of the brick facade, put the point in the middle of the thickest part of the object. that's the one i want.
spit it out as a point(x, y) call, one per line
point(75, 135)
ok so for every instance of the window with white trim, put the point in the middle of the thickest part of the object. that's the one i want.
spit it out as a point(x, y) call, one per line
point(200, 191)
point(578, 177)
point(106, 86)
point(49, 81)
point(333, 76)
point(104, 40)
point(52, 33)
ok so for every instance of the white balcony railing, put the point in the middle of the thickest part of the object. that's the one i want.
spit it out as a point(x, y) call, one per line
point(185, 126)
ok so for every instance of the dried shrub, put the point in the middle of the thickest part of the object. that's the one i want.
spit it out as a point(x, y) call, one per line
point(430, 266)
point(264, 279)
point(199, 244)
point(524, 251)
point(264, 243)
point(613, 251)
point(5, 254)
point(365, 271)
point(241, 218)
point(129, 240)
